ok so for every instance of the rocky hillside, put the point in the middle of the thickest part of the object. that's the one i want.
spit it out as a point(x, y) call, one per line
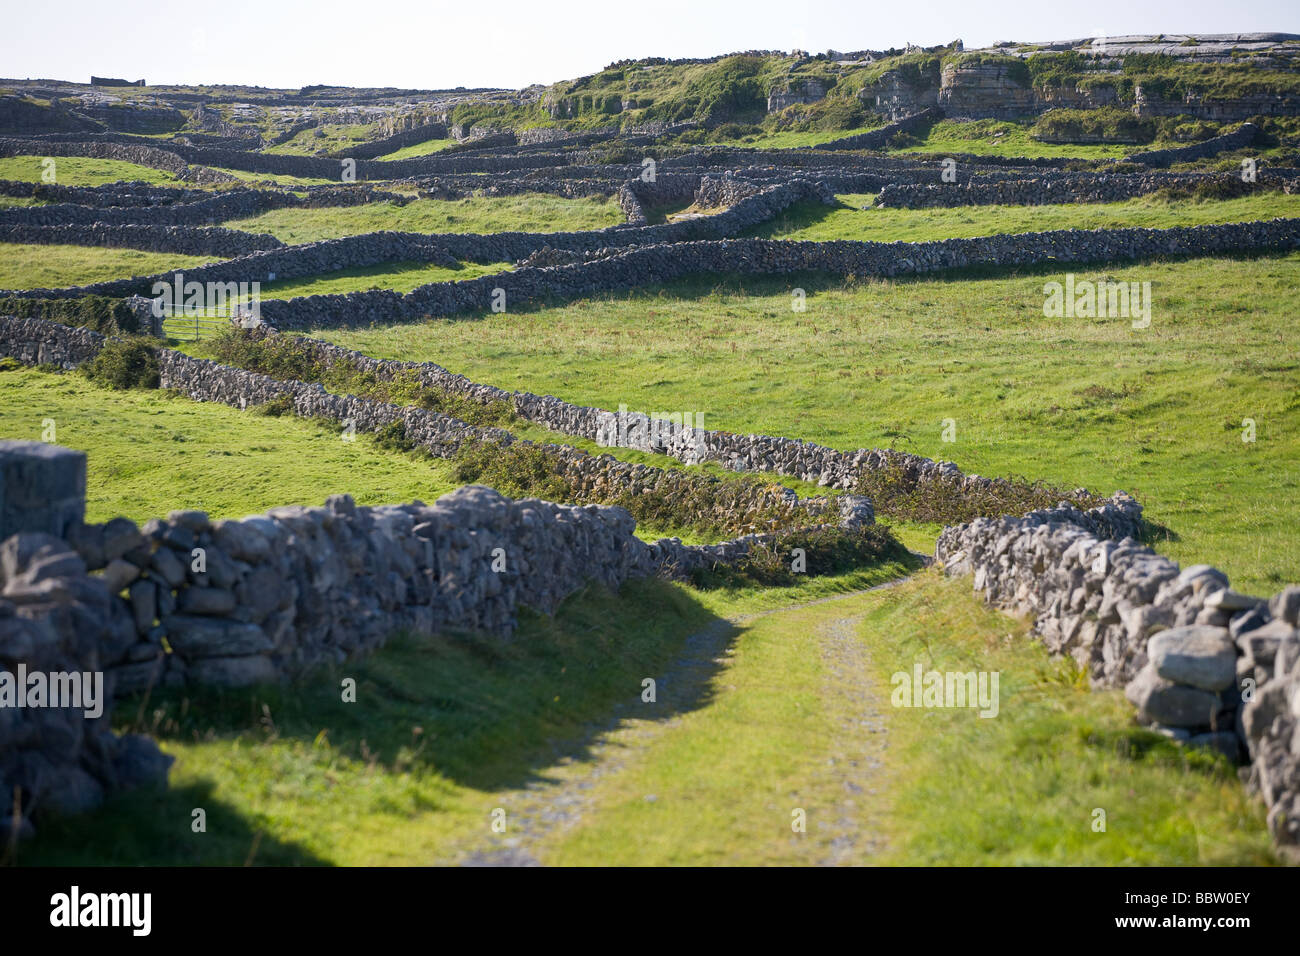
point(1187, 80)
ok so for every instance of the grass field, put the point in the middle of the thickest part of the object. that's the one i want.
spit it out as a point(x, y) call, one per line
point(1157, 412)
point(427, 148)
point(150, 453)
point(538, 212)
point(32, 266)
point(849, 220)
point(397, 276)
point(995, 138)
point(82, 171)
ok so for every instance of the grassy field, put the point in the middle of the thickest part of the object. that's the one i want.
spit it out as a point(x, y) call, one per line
point(150, 453)
point(82, 171)
point(397, 276)
point(1157, 412)
point(719, 785)
point(536, 212)
point(32, 266)
point(995, 138)
point(791, 139)
point(427, 148)
point(849, 220)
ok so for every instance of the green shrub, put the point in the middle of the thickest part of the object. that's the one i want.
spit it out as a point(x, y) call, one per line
point(1109, 125)
point(276, 407)
point(826, 550)
point(10, 364)
point(99, 313)
point(895, 493)
point(125, 363)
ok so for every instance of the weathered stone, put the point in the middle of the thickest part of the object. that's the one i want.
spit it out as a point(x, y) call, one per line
point(144, 604)
point(120, 536)
point(192, 636)
point(1163, 702)
point(118, 575)
point(197, 600)
point(1197, 656)
point(168, 567)
point(233, 671)
point(1285, 605)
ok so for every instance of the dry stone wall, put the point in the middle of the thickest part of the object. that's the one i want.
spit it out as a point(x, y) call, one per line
point(1243, 136)
point(879, 138)
point(1203, 664)
point(656, 264)
point(180, 240)
point(1059, 189)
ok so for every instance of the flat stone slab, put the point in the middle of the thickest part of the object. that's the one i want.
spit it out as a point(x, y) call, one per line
point(1196, 655)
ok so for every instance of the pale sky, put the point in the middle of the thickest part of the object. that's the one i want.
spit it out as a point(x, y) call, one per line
point(512, 43)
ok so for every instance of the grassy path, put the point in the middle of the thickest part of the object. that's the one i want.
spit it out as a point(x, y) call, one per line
point(548, 810)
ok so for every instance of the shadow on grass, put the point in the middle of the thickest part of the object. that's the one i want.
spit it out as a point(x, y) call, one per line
point(1154, 533)
point(155, 827)
point(485, 712)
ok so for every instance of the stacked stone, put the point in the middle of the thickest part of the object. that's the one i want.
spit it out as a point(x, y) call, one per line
point(879, 138)
point(1244, 135)
point(56, 619)
point(739, 506)
point(1055, 189)
point(1203, 664)
point(179, 240)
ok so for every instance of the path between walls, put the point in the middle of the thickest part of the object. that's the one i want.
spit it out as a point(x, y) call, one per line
point(565, 796)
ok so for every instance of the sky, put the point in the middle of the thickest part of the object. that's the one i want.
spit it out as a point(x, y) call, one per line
point(515, 43)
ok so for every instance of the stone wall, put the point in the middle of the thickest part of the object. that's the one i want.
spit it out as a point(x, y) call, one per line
point(1203, 664)
point(659, 263)
point(390, 144)
point(1243, 136)
point(1060, 188)
point(180, 240)
point(446, 248)
point(739, 507)
point(56, 619)
point(879, 138)
point(690, 443)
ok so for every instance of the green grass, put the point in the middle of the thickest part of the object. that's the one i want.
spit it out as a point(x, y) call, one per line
point(791, 139)
point(328, 137)
point(439, 726)
point(534, 212)
point(33, 266)
point(996, 138)
point(1157, 412)
point(718, 786)
point(1020, 788)
point(82, 171)
point(397, 276)
point(427, 148)
point(279, 179)
point(849, 220)
point(150, 453)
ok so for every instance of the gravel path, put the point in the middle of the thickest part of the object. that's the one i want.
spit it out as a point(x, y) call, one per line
point(560, 800)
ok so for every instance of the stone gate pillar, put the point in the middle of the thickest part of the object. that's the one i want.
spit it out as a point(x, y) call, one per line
point(42, 488)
